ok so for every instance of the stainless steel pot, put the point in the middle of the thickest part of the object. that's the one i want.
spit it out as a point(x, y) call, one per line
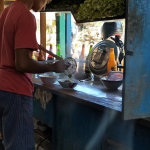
point(100, 55)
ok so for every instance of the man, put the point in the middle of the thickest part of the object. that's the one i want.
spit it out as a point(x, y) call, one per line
point(17, 42)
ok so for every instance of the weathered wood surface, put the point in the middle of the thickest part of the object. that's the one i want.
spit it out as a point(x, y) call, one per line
point(137, 66)
point(91, 93)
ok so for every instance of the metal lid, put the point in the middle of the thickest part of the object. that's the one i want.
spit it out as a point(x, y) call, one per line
point(100, 55)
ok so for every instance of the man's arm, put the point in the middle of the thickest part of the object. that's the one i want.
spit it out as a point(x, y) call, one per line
point(49, 52)
point(24, 63)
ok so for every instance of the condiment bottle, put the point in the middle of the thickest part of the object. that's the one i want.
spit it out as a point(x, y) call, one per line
point(87, 70)
point(41, 56)
point(82, 55)
point(111, 63)
point(58, 53)
point(122, 64)
point(91, 47)
point(76, 55)
point(50, 57)
point(114, 68)
point(82, 59)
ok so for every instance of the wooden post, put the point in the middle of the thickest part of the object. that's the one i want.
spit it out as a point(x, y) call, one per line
point(1, 6)
point(43, 31)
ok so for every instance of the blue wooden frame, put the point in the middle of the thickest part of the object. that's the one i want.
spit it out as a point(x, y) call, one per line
point(136, 91)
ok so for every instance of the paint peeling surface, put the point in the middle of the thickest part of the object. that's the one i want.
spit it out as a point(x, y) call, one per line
point(136, 100)
point(43, 96)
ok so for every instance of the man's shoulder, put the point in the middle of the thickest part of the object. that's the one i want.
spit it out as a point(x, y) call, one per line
point(19, 9)
point(4, 14)
point(5, 11)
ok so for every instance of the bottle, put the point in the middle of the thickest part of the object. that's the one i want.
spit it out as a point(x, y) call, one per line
point(122, 64)
point(82, 55)
point(82, 60)
point(87, 70)
point(111, 63)
point(41, 56)
point(91, 47)
point(76, 55)
point(50, 57)
point(58, 53)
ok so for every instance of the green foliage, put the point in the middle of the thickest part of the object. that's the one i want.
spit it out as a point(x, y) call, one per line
point(91, 9)
point(55, 4)
point(94, 9)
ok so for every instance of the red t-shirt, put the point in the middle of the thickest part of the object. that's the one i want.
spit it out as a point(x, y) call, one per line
point(17, 30)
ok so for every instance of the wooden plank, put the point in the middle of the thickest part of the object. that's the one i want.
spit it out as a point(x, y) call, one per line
point(1, 6)
point(137, 67)
point(43, 30)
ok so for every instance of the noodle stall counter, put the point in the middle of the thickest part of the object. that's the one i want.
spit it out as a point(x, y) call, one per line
point(93, 118)
point(88, 117)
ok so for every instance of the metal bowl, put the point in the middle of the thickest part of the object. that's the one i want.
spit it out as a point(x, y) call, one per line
point(113, 85)
point(48, 79)
point(68, 85)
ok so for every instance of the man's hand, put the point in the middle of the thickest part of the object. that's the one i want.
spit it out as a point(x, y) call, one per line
point(60, 66)
point(25, 63)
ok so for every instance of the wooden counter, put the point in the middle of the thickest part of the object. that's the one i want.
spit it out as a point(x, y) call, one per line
point(91, 93)
point(88, 118)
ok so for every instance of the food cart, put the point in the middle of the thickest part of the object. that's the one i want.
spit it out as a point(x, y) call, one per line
point(93, 118)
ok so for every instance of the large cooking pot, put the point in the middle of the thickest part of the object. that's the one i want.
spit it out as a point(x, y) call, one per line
point(99, 57)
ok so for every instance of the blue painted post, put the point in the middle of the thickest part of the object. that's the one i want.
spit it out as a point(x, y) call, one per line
point(136, 93)
point(68, 35)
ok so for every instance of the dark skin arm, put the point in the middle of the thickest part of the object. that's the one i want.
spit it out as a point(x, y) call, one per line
point(24, 63)
point(45, 50)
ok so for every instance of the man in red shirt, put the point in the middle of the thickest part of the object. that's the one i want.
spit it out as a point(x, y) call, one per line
point(17, 42)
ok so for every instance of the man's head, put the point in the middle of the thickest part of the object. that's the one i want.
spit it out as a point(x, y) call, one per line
point(35, 5)
point(38, 5)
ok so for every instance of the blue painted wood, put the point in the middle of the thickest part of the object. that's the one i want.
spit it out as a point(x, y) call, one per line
point(76, 126)
point(79, 127)
point(68, 34)
point(44, 115)
point(136, 95)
